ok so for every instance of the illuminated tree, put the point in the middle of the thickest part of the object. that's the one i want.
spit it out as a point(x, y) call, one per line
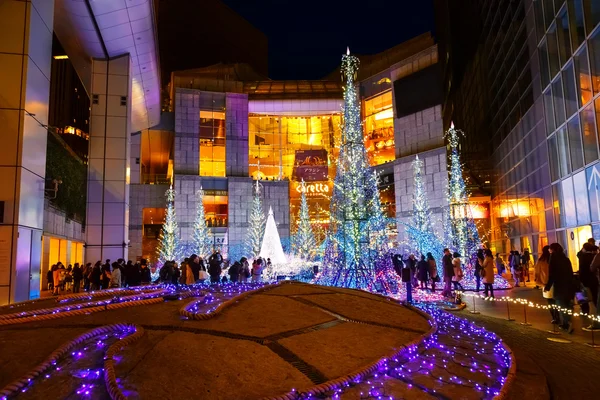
point(201, 236)
point(256, 224)
point(271, 244)
point(462, 231)
point(168, 241)
point(305, 244)
point(356, 240)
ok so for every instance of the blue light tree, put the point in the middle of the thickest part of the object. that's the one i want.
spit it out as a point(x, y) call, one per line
point(356, 240)
point(461, 230)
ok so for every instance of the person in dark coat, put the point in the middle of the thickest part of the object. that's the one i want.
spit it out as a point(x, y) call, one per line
point(479, 258)
point(145, 275)
point(587, 278)
point(77, 277)
point(96, 276)
point(423, 272)
point(561, 278)
point(448, 272)
point(194, 264)
point(234, 272)
point(398, 264)
point(50, 279)
point(411, 262)
point(166, 272)
point(105, 280)
point(214, 267)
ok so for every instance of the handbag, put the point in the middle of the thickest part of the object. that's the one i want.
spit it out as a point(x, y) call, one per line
point(202, 275)
point(548, 294)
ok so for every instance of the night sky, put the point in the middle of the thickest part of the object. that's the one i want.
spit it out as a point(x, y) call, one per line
point(308, 37)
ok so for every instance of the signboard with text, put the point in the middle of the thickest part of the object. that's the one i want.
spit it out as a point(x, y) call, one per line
point(310, 165)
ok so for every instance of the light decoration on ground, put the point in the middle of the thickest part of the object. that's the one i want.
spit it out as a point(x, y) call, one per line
point(459, 355)
point(461, 229)
point(356, 241)
point(168, 241)
point(202, 240)
point(529, 303)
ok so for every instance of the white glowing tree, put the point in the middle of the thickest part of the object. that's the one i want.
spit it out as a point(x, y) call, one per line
point(256, 224)
point(202, 239)
point(168, 241)
point(305, 243)
point(271, 244)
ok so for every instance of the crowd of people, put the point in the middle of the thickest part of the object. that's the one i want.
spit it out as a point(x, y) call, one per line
point(193, 269)
point(554, 275)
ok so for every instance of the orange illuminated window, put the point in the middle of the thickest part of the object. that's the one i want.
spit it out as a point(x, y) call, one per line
point(379, 129)
point(212, 143)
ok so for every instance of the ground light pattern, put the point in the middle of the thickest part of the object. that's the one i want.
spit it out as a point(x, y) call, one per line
point(453, 359)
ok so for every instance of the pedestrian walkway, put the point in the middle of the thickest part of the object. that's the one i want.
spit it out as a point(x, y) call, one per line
point(545, 368)
point(539, 318)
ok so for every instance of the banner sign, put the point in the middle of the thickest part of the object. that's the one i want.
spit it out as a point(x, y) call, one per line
point(310, 165)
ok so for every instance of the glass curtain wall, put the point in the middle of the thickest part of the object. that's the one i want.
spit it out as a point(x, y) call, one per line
point(297, 148)
point(569, 51)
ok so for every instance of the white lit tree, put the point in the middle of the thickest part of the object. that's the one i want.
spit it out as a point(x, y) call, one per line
point(256, 224)
point(201, 236)
point(168, 241)
point(271, 244)
point(305, 243)
point(421, 233)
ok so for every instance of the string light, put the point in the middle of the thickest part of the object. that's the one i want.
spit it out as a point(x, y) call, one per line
point(356, 242)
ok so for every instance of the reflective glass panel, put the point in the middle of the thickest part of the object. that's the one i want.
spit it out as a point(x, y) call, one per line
point(588, 125)
point(581, 198)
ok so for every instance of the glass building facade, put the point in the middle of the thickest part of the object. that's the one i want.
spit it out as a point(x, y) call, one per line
point(536, 69)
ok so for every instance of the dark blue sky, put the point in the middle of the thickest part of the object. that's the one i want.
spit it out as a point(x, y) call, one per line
point(307, 37)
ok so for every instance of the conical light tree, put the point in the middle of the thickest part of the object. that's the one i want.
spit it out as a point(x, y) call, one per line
point(357, 227)
point(256, 224)
point(202, 239)
point(463, 231)
point(420, 231)
point(271, 244)
point(305, 242)
point(168, 241)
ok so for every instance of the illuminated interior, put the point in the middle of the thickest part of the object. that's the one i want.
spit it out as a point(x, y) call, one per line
point(156, 157)
point(152, 220)
point(215, 208)
point(379, 129)
point(274, 140)
point(212, 143)
point(516, 215)
point(279, 144)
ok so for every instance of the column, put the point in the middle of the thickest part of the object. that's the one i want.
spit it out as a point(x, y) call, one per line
point(25, 57)
point(107, 229)
point(236, 127)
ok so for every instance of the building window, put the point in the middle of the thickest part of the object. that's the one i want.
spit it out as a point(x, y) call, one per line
point(570, 89)
point(152, 222)
point(564, 159)
point(379, 129)
point(156, 157)
point(275, 143)
point(594, 43)
point(581, 198)
point(593, 190)
point(588, 125)
point(568, 197)
point(559, 102)
point(212, 143)
point(216, 204)
point(583, 77)
point(575, 144)
point(592, 14)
